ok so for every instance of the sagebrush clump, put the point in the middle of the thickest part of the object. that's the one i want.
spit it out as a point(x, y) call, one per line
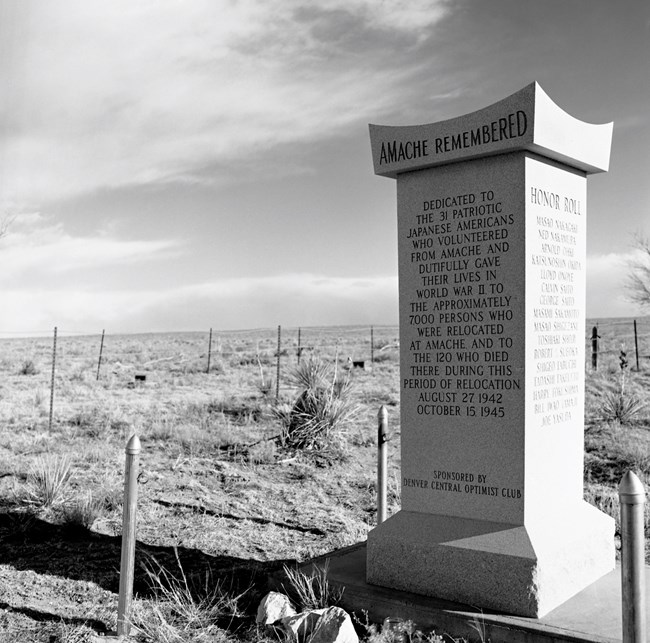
point(28, 368)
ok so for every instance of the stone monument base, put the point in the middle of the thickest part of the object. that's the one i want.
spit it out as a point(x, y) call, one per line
point(522, 570)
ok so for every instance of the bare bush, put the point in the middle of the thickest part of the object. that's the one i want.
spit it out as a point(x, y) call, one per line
point(638, 283)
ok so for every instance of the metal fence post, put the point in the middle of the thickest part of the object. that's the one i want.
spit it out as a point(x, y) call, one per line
point(277, 375)
point(53, 378)
point(594, 347)
point(382, 464)
point(101, 350)
point(632, 499)
point(207, 370)
point(128, 535)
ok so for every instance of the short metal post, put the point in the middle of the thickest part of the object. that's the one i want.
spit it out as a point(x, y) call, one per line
point(632, 499)
point(127, 562)
point(382, 464)
point(636, 346)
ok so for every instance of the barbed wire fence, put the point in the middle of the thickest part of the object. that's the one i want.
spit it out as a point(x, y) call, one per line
point(79, 355)
point(80, 349)
point(618, 340)
point(78, 344)
point(84, 355)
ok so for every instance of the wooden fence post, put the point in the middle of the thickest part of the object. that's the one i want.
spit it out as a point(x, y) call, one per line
point(129, 515)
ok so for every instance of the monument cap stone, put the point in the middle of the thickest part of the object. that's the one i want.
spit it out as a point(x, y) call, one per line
point(526, 120)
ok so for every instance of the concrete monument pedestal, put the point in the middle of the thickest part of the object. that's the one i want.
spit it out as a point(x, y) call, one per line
point(492, 230)
point(498, 566)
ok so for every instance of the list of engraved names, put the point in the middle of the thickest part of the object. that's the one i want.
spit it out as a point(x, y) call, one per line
point(556, 313)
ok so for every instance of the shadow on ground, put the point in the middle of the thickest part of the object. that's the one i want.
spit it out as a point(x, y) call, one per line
point(30, 543)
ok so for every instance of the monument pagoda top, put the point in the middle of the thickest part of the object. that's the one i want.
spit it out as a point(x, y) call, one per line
point(526, 120)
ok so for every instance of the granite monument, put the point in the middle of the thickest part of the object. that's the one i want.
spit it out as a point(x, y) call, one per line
point(492, 210)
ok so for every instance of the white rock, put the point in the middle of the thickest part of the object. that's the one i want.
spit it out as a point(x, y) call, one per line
point(273, 607)
point(299, 627)
point(334, 626)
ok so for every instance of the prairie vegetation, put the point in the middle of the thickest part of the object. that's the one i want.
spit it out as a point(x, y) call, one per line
point(234, 484)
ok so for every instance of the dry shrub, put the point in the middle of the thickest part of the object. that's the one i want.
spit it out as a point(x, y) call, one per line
point(183, 609)
point(18, 524)
point(81, 513)
point(47, 481)
point(311, 591)
point(317, 418)
point(28, 368)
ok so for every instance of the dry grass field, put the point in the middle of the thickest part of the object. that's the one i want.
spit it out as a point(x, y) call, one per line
point(225, 497)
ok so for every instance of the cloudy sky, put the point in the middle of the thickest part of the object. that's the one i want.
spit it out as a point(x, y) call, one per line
point(186, 164)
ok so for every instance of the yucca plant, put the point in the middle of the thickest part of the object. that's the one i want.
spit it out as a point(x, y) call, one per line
point(621, 406)
point(317, 418)
point(312, 373)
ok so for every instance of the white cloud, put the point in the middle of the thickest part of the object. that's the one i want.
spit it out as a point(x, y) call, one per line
point(106, 94)
point(294, 300)
point(50, 277)
point(37, 247)
point(299, 299)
